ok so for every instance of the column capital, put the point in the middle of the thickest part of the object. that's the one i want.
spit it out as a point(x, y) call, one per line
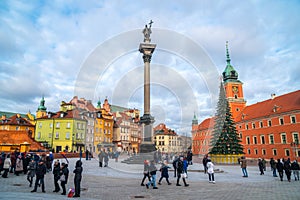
point(147, 58)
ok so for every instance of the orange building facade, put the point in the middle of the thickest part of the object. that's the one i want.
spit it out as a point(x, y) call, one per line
point(268, 129)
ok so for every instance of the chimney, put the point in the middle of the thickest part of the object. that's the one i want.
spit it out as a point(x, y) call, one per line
point(273, 96)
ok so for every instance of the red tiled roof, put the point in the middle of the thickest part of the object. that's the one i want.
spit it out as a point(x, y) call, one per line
point(15, 120)
point(162, 129)
point(280, 104)
point(18, 137)
point(68, 114)
point(207, 123)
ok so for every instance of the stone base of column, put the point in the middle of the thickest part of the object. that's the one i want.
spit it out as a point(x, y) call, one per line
point(147, 147)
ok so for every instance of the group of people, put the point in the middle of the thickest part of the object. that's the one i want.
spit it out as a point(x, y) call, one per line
point(281, 166)
point(150, 171)
point(35, 166)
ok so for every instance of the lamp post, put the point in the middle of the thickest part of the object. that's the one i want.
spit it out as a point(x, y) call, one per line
point(294, 145)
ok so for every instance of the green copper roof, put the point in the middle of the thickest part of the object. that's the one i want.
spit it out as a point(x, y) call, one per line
point(42, 105)
point(99, 104)
point(195, 119)
point(229, 72)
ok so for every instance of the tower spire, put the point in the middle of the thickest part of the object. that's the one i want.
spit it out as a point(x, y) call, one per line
point(227, 54)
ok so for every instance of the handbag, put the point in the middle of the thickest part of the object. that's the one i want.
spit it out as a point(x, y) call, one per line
point(62, 178)
point(183, 175)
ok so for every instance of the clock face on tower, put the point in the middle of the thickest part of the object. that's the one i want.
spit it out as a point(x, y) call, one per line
point(235, 89)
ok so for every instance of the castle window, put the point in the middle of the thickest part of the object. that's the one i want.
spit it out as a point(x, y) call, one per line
point(296, 138)
point(271, 139)
point(253, 125)
point(293, 119)
point(254, 140)
point(287, 152)
point(274, 152)
point(281, 122)
point(269, 123)
point(248, 140)
point(283, 138)
point(262, 139)
point(249, 151)
point(261, 124)
point(263, 152)
point(255, 151)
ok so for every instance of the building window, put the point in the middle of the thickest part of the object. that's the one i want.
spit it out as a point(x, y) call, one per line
point(253, 125)
point(283, 138)
point(40, 125)
point(263, 152)
point(51, 125)
point(261, 124)
point(68, 125)
point(249, 151)
point(271, 137)
point(262, 139)
point(293, 119)
point(248, 140)
point(255, 151)
point(39, 135)
point(281, 122)
point(269, 123)
point(67, 135)
point(50, 135)
point(296, 138)
point(17, 128)
point(56, 135)
point(241, 135)
point(57, 124)
point(274, 152)
point(247, 127)
point(254, 140)
point(287, 152)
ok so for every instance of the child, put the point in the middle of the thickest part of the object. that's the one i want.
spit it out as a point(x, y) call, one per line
point(164, 172)
point(210, 171)
point(152, 170)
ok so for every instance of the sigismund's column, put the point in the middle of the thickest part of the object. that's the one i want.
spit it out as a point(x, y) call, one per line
point(147, 49)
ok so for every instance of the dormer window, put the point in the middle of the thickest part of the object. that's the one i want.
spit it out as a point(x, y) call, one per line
point(61, 115)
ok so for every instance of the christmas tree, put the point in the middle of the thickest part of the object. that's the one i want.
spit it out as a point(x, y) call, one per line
point(225, 139)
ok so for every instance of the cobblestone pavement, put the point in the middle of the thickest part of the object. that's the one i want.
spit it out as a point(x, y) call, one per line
point(122, 181)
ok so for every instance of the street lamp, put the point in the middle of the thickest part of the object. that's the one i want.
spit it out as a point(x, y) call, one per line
point(294, 145)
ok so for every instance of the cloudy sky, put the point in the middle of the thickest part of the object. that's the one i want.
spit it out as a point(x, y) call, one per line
point(60, 49)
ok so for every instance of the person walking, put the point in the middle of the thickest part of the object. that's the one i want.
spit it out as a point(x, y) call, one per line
point(31, 171)
point(152, 170)
point(2, 158)
point(185, 166)
point(64, 175)
point(106, 159)
point(100, 157)
point(243, 162)
point(40, 174)
point(56, 175)
point(264, 162)
point(6, 166)
point(77, 178)
point(180, 172)
point(295, 169)
point(175, 162)
point(210, 171)
point(279, 167)
point(287, 169)
point(146, 172)
point(164, 173)
point(273, 167)
point(204, 162)
point(19, 165)
point(261, 166)
point(190, 157)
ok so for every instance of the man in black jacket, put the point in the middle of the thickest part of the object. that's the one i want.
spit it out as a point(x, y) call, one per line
point(180, 172)
point(40, 173)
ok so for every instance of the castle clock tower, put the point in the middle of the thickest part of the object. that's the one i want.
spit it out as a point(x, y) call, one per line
point(233, 88)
